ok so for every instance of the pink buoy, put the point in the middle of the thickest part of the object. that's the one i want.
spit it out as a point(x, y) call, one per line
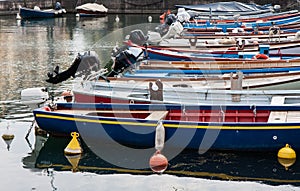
point(158, 162)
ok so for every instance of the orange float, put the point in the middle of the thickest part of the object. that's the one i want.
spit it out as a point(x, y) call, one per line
point(158, 162)
point(260, 56)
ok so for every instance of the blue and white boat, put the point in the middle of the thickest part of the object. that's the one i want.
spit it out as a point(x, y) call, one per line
point(36, 12)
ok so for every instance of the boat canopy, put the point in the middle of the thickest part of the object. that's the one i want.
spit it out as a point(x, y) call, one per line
point(92, 7)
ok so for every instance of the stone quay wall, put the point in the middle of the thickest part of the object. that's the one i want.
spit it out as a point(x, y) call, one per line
point(127, 6)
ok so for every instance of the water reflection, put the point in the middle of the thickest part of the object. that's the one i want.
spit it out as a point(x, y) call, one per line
point(32, 48)
point(262, 167)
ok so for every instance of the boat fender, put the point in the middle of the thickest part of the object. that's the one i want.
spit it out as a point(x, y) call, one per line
point(260, 56)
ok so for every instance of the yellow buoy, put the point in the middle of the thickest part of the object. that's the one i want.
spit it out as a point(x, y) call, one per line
point(286, 152)
point(74, 161)
point(8, 137)
point(286, 162)
point(73, 147)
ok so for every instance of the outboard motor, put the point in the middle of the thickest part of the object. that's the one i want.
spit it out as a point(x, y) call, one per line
point(183, 16)
point(137, 37)
point(124, 60)
point(34, 97)
point(171, 18)
point(83, 65)
point(164, 28)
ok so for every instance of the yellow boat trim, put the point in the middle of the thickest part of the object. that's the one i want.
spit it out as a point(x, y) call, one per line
point(169, 125)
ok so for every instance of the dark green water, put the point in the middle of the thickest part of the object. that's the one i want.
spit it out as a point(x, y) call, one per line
point(30, 49)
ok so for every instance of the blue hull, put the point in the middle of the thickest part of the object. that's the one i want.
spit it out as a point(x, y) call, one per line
point(179, 134)
point(31, 13)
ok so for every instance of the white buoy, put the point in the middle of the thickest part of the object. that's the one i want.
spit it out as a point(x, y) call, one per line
point(117, 19)
point(149, 19)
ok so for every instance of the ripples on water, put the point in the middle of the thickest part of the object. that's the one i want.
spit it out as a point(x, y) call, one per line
point(28, 51)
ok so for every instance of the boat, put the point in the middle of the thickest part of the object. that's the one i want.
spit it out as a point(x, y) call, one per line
point(225, 26)
point(216, 65)
point(171, 69)
point(91, 10)
point(218, 45)
point(171, 54)
point(180, 92)
point(210, 79)
point(245, 18)
point(36, 12)
point(200, 127)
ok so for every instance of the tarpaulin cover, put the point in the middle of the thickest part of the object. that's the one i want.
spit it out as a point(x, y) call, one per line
point(232, 6)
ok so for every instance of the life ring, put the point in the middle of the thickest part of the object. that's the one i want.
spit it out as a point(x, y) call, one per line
point(260, 56)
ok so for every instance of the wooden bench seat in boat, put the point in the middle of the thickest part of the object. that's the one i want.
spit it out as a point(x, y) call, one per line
point(277, 116)
point(157, 115)
point(284, 116)
point(293, 116)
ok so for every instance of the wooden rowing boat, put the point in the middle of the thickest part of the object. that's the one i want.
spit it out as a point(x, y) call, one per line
point(229, 127)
